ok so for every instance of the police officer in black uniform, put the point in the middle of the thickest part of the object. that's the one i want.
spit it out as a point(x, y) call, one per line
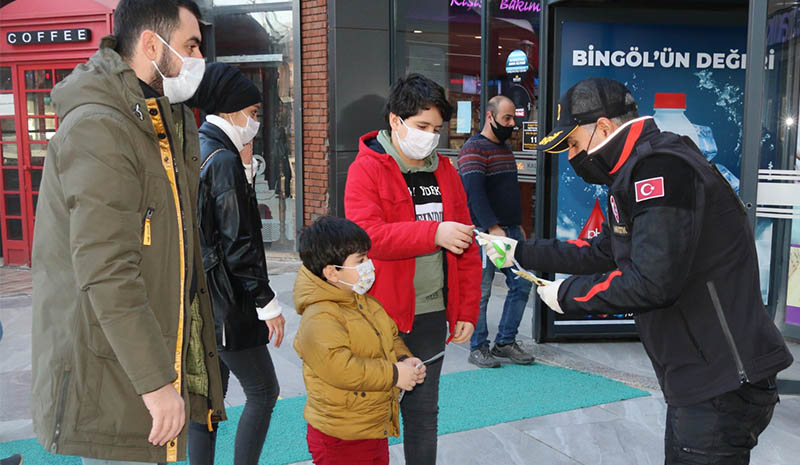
point(677, 252)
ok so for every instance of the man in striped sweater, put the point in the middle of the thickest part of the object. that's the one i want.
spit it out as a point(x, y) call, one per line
point(489, 174)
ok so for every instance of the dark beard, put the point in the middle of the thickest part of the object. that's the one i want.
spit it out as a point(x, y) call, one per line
point(166, 68)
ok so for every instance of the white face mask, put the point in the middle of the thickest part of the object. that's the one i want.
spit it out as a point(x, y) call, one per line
point(417, 144)
point(366, 276)
point(247, 132)
point(181, 88)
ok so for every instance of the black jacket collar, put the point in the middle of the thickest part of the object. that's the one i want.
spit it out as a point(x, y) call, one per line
point(619, 147)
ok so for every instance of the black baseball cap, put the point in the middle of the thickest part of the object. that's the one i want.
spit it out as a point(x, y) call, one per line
point(584, 103)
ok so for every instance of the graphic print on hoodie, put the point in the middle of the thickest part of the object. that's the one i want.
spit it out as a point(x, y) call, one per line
point(425, 193)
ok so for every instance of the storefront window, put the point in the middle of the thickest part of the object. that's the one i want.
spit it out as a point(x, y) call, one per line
point(261, 45)
point(38, 79)
point(9, 129)
point(514, 63)
point(441, 39)
point(778, 225)
point(5, 78)
point(244, 2)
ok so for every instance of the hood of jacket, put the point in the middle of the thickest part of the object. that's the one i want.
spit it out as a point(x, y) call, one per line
point(104, 80)
point(310, 289)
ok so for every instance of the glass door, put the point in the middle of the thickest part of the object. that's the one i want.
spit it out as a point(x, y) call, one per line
point(37, 125)
point(14, 248)
point(261, 45)
point(778, 198)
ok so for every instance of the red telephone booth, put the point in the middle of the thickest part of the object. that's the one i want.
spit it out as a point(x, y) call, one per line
point(42, 41)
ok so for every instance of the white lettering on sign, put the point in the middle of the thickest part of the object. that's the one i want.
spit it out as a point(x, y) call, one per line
point(48, 36)
point(505, 5)
point(665, 58)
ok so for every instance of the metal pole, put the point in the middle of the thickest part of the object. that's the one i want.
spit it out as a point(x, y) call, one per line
point(297, 107)
point(753, 105)
point(484, 59)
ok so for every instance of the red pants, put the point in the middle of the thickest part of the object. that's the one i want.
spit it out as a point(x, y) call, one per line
point(328, 450)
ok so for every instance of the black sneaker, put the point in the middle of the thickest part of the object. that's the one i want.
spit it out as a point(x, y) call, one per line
point(15, 459)
point(482, 358)
point(513, 352)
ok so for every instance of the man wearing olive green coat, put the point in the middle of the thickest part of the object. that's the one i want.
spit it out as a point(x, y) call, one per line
point(124, 350)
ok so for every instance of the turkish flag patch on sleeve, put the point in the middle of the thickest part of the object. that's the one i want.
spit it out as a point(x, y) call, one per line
point(652, 188)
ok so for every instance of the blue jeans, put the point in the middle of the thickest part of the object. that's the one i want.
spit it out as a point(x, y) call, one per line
point(514, 306)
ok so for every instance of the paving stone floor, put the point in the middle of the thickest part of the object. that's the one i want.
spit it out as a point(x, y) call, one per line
point(621, 433)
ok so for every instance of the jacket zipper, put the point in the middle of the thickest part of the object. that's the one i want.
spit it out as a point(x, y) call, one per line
point(171, 169)
point(391, 396)
point(60, 409)
point(712, 290)
point(146, 237)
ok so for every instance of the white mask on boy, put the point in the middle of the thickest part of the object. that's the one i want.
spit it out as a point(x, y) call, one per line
point(417, 144)
point(366, 276)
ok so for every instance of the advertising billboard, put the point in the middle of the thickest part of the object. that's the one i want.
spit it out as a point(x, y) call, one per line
point(694, 72)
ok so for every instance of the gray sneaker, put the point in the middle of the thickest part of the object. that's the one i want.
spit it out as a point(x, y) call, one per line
point(513, 352)
point(482, 358)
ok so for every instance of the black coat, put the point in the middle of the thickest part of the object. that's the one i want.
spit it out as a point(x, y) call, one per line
point(233, 250)
point(677, 252)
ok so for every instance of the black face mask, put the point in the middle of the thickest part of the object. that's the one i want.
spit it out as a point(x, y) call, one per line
point(593, 170)
point(501, 132)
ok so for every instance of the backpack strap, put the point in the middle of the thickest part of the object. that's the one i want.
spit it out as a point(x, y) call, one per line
point(209, 157)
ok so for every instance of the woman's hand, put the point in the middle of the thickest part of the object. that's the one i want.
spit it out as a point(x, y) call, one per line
point(275, 326)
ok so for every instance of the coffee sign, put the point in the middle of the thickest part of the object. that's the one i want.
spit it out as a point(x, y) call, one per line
point(50, 36)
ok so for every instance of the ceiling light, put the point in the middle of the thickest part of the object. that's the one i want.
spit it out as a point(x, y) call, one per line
point(417, 31)
point(477, 37)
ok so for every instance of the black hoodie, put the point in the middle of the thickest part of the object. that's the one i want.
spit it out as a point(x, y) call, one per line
point(677, 252)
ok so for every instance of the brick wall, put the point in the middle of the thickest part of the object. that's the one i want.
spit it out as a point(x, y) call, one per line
point(314, 39)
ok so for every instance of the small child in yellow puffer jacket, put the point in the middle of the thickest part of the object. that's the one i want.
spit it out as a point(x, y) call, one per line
point(354, 362)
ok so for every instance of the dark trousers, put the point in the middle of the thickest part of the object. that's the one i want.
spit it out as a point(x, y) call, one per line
point(722, 430)
point(253, 367)
point(420, 407)
point(329, 450)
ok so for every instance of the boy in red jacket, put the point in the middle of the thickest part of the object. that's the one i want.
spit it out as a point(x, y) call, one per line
point(411, 202)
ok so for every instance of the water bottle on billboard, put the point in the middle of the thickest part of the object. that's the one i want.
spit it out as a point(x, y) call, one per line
point(670, 115)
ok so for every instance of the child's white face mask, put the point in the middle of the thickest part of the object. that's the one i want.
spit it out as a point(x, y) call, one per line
point(366, 276)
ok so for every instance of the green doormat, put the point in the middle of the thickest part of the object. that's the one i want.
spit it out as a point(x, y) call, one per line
point(468, 400)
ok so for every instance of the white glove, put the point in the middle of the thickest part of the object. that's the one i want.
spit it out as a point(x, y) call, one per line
point(271, 310)
point(549, 295)
point(491, 243)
